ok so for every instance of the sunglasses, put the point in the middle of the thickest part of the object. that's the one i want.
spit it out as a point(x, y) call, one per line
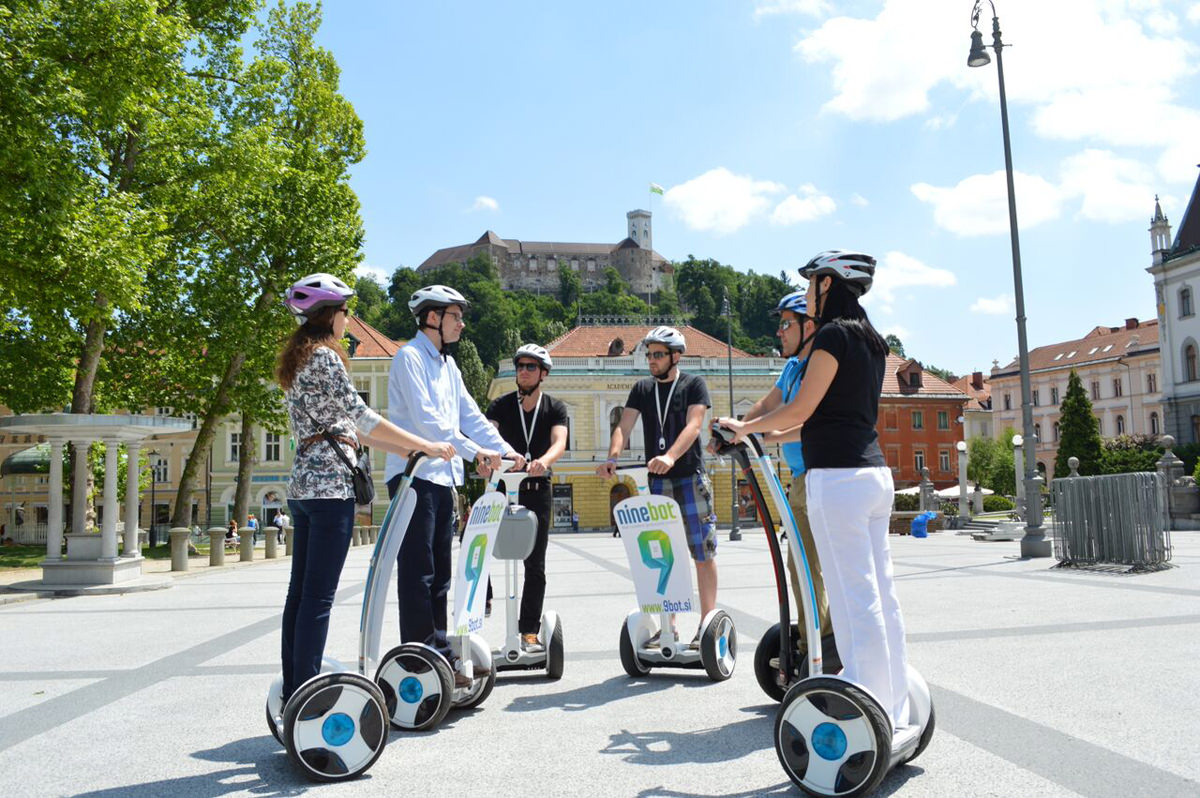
point(787, 324)
point(528, 366)
point(342, 310)
point(656, 355)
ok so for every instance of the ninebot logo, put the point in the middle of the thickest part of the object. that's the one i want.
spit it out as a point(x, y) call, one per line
point(486, 514)
point(647, 513)
point(655, 546)
point(474, 566)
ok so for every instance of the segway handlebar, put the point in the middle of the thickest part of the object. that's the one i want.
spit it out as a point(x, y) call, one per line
point(725, 445)
point(506, 465)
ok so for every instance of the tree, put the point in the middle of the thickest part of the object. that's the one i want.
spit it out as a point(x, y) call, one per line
point(895, 344)
point(1125, 454)
point(476, 376)
point(942, 374)
point(1079, 431)
point(570, 287)
point(372, 302)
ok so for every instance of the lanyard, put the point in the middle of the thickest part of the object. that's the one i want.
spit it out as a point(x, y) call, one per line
point(662, 439)
point(532, 422)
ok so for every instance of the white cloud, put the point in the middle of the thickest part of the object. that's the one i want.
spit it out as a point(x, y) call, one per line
point(484, 203)
point(898, 330)
point(721, 202)
point(804, 206)
point(377, 273)
point(815, 8)
point(1193, 13)
point(996, 306)
point(978, 205)
point(897, 271)
point(1113, 189)
point(859, 200)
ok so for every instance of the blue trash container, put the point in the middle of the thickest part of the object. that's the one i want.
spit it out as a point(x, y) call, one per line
point(919, 524)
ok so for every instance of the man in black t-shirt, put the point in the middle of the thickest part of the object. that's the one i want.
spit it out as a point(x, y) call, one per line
point(672, 406)
point(535, 424)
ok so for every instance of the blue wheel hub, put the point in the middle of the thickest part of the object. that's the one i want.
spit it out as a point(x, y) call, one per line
point(829, 741)
point(337, 729)
point(723, 646)
point(411, 690)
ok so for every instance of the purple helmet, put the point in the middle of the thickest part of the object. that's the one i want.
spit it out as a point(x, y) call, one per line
point(314, 292)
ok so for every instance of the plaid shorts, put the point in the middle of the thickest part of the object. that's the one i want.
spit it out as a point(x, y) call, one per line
point(694, 497)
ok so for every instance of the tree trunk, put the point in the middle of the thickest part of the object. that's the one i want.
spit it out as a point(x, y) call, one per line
point(241, 497)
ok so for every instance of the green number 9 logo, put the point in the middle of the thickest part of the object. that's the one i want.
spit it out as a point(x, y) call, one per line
point(474, 566)
point(655, 546)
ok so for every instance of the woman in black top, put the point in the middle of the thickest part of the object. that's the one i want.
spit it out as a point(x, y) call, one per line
point(849, 486)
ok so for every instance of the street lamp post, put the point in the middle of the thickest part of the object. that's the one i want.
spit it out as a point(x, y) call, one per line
point(1019, 467)
point(152, 536)
point(1034, 543)
point(727, 308)
point(963, 511)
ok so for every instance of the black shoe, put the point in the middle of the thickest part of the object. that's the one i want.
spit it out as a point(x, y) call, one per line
point(487, 610)
point(461, 681)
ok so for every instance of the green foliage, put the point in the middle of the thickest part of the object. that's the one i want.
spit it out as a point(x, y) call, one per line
point(1078, 430)
point(895, 344)
point(570, 287)
point(1189, 453)
point(942, 374)
point(990, 462)
point(372, 304)
point(476, 376)
point(701, 287)
point(1129, 453)
point(997, 504)
point(907, 502)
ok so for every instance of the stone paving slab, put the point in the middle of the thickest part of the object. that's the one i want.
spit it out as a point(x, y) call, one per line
point(1047, 682)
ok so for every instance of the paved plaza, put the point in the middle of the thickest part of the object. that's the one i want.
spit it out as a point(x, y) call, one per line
point(1046, 682)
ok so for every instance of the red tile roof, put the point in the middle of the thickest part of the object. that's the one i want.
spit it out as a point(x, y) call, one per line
point(594, 341)
point(981, 397)
point(930, 383)
point(371, 342)
point(1102, 343)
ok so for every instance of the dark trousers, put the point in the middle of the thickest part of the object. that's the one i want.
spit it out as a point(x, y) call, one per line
point(320, 540)
point(539, 499)
point(423, 566)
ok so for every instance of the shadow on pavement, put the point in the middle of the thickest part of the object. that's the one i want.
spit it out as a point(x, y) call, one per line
point(706, 746)
point(593, 695)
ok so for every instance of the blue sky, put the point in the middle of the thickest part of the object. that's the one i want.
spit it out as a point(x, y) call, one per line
point(783, 127)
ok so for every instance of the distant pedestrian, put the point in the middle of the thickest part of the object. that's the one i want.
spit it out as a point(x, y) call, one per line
point(252, 522)
point(574, 522)
point(282, 522)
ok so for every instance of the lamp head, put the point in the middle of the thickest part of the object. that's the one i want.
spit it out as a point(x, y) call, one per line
point(979, 54)
point(961, 446)
point(1018, 441)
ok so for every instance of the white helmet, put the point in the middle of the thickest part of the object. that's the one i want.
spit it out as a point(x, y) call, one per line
point(856, 268)
point(535, 352)
point(435, 296)
point(667, 336)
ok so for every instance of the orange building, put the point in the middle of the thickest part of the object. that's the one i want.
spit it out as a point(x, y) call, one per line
point(920, 421)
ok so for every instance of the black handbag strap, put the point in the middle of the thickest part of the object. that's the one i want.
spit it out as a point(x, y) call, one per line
point(328, 436)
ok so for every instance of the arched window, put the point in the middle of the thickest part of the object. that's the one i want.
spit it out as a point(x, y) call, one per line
point(1154, 424)
point(1185, 302)
point(1056, 430)
point(1037, 432)
point(1189, 363)
point(1120, 425)
point(1195, 429)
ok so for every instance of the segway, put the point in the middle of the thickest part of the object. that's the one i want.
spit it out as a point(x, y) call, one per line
point(335, 725)
point(832, 736)
point(652, 530)
point(514, 543)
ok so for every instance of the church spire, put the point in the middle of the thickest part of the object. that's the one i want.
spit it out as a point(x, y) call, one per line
point(1160, 233)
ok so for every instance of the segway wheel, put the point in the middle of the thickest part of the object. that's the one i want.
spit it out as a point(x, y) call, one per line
point(832, 738)
point(480, 688)
point(718, 647)
point(926, 736)
point(275, 709)
point(766, 661)
point(417, 686)
point(335, 726)
point(634, 665)
point(555, 652)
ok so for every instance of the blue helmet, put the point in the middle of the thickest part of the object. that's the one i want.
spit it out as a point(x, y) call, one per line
point(794, 302)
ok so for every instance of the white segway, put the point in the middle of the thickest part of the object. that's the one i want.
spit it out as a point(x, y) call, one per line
point(832, 736)
point(655, 543)
point(514, 543)
point(335, 725)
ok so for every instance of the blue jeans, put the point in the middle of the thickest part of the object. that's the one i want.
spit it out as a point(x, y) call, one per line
point(320, 540)
point(423, 566)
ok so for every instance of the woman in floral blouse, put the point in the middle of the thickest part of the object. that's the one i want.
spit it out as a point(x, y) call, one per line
point(312, 372)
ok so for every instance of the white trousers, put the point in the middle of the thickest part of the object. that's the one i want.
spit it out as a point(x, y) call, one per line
point(849, 510)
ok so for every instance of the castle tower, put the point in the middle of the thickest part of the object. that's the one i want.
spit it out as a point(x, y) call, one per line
point(639, 228)
point(1160, 233)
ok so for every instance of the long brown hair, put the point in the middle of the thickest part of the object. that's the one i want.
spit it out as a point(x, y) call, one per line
point(314, 333)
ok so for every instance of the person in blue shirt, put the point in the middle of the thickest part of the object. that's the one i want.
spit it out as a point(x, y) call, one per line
point(795, 333)
point(427, 397)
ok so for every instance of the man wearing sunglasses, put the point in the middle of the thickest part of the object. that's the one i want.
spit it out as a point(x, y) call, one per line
point(672, 406)
point(796, 331)
point(534, 423)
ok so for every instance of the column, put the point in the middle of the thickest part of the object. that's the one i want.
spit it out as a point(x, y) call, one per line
point(79, 493)
point(54, 512)
point(133, 452)
point(108, 526)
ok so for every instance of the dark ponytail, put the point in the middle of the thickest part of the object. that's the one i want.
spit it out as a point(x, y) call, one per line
point(842, 308)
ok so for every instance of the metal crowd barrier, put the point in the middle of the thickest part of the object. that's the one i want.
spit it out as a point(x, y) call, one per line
point(1118, 519)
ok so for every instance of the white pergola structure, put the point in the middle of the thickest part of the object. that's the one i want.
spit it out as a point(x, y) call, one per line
point(91, 559)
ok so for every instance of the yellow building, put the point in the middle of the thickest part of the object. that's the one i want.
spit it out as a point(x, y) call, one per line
point(595, 365)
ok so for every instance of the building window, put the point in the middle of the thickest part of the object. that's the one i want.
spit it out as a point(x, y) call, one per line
point(1120, 425)
point(591, 265)
point(1035, 397)
point(1056, 431)
point(1095, 390)
point(532, 263)
point(272, 447)
point(1008, 401)
point(889, 420)
point(943, 420)
point(574, 264)
point(918, 419)
point(235, 446)
point(1152, 383)
point(1100, 424)
point(1037, 431)
point(919, 460)
point(944, 460)
point(1154, 423)
point(1195, 429)
point(1185, 302)
point(914, 379)
point(1116, 386)
point(1054, 396)
point(158, 469)
point(362, 387)
point(1189, 363)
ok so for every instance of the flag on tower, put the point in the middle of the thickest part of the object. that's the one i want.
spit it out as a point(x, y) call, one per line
point(655, 188)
